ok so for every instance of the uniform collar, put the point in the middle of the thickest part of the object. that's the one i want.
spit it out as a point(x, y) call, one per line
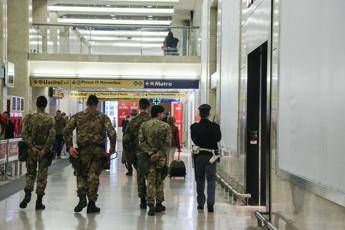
point(40, 110)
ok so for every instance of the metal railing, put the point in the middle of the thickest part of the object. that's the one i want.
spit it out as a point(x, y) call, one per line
point(263, 221)
point(9, 163)
point(113, 40)
point(243, 197)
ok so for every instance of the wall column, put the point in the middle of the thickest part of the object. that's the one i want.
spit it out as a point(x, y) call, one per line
point(205, 34)
point(3, 49)
point(18, 35)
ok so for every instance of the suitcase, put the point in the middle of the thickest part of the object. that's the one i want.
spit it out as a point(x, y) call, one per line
point(177, 168)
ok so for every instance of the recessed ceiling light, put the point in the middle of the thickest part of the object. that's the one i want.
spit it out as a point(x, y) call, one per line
point(112, 21)
point(145, 0)
point(124, 33)
point(91, 9)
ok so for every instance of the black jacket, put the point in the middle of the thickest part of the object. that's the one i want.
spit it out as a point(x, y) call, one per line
point(206, 134)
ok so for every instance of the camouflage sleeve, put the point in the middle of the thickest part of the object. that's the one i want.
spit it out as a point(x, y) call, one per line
point(27, 131)
point(143, 141)
point(51, 136)
point(110, 131)
point(68, 131)
point(127, 137)
point(167, 141)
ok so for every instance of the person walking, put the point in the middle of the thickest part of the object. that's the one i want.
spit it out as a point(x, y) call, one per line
point(154, 140)
point(90, 126)
point(38, 133)
point(205, 135)
point(131, 147)
point(60, 124)
point(175, 140)
point(8, 126)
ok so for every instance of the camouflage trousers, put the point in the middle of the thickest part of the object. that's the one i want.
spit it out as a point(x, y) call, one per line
point(141, 185)
point(88, 171)
point(155, 182)
point(32, 173)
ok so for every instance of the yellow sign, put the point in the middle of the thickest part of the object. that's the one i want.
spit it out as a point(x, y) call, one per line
point(55, 83)
point(87, 83)
point(126, 95)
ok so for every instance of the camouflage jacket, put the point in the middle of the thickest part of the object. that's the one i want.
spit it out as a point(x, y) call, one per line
point(92, 129)
point(130, 140)
point(38, 130)
point(155, 137)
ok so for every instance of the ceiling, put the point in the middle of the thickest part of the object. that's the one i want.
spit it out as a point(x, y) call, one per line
point(181, 5)
point(181, 8)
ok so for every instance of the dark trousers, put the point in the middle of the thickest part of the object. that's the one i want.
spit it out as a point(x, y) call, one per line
point(205, 170)
point(58, 144)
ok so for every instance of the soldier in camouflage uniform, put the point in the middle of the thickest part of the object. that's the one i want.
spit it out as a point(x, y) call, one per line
point(39, 134)
point(91, 126)
point(154, 139)
point(131, 146)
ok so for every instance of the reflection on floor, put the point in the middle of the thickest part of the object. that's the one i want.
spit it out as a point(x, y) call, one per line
point(119, 203)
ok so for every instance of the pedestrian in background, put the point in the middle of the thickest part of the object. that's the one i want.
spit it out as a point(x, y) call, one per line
point(175, 139)
point(60, 124)
point(38, 133)
point(8, 126)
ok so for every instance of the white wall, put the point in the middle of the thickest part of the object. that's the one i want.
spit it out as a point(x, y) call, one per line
point(312, 91)
point(229, 72)
point(70, 105)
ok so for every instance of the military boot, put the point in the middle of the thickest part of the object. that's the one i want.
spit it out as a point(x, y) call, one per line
point(143, 204)
point(152, 210)
point(82, 204)
point(160, 207)
point(26, 199)
point(92, 208)
point(39, 204)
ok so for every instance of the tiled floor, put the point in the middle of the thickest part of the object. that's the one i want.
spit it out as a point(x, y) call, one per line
point(119, 204)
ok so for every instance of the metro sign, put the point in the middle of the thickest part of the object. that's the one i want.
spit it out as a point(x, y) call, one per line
point(250, 3)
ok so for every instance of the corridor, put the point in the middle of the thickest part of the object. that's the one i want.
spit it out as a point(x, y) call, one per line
point(119, 207)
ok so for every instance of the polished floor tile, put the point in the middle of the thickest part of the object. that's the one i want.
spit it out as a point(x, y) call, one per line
point(119, 203)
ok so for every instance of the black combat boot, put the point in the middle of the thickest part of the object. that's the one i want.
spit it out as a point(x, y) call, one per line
point(82, 203)
point(26, 200)
point(152, 210)
point(210, 208)
point(160, 207)
point(143, 204)
point(39, 204)
point(92, 208)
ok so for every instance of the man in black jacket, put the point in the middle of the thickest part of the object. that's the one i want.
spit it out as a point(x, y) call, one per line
point(205, 135)
point(8, 126)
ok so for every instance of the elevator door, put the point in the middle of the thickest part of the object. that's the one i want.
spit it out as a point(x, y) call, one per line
point(257, 152)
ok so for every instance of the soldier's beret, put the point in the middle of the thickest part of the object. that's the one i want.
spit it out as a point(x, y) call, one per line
point(157, 109)
point(204, 107)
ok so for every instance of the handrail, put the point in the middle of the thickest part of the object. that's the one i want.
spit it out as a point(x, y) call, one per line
point(115, 25)
point(242, 196)
point(260, 217)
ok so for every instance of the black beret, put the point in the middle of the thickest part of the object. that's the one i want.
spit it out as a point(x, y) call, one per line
point(204, 107)
point(157, 109)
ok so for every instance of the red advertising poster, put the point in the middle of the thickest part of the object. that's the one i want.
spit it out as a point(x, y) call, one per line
point(178, 115)
point(124, 110)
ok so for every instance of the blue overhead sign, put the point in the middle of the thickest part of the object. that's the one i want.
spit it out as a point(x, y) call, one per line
point(171, 84)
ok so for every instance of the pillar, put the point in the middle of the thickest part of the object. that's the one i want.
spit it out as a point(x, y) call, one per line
point(3, 50)
point(18, 46)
